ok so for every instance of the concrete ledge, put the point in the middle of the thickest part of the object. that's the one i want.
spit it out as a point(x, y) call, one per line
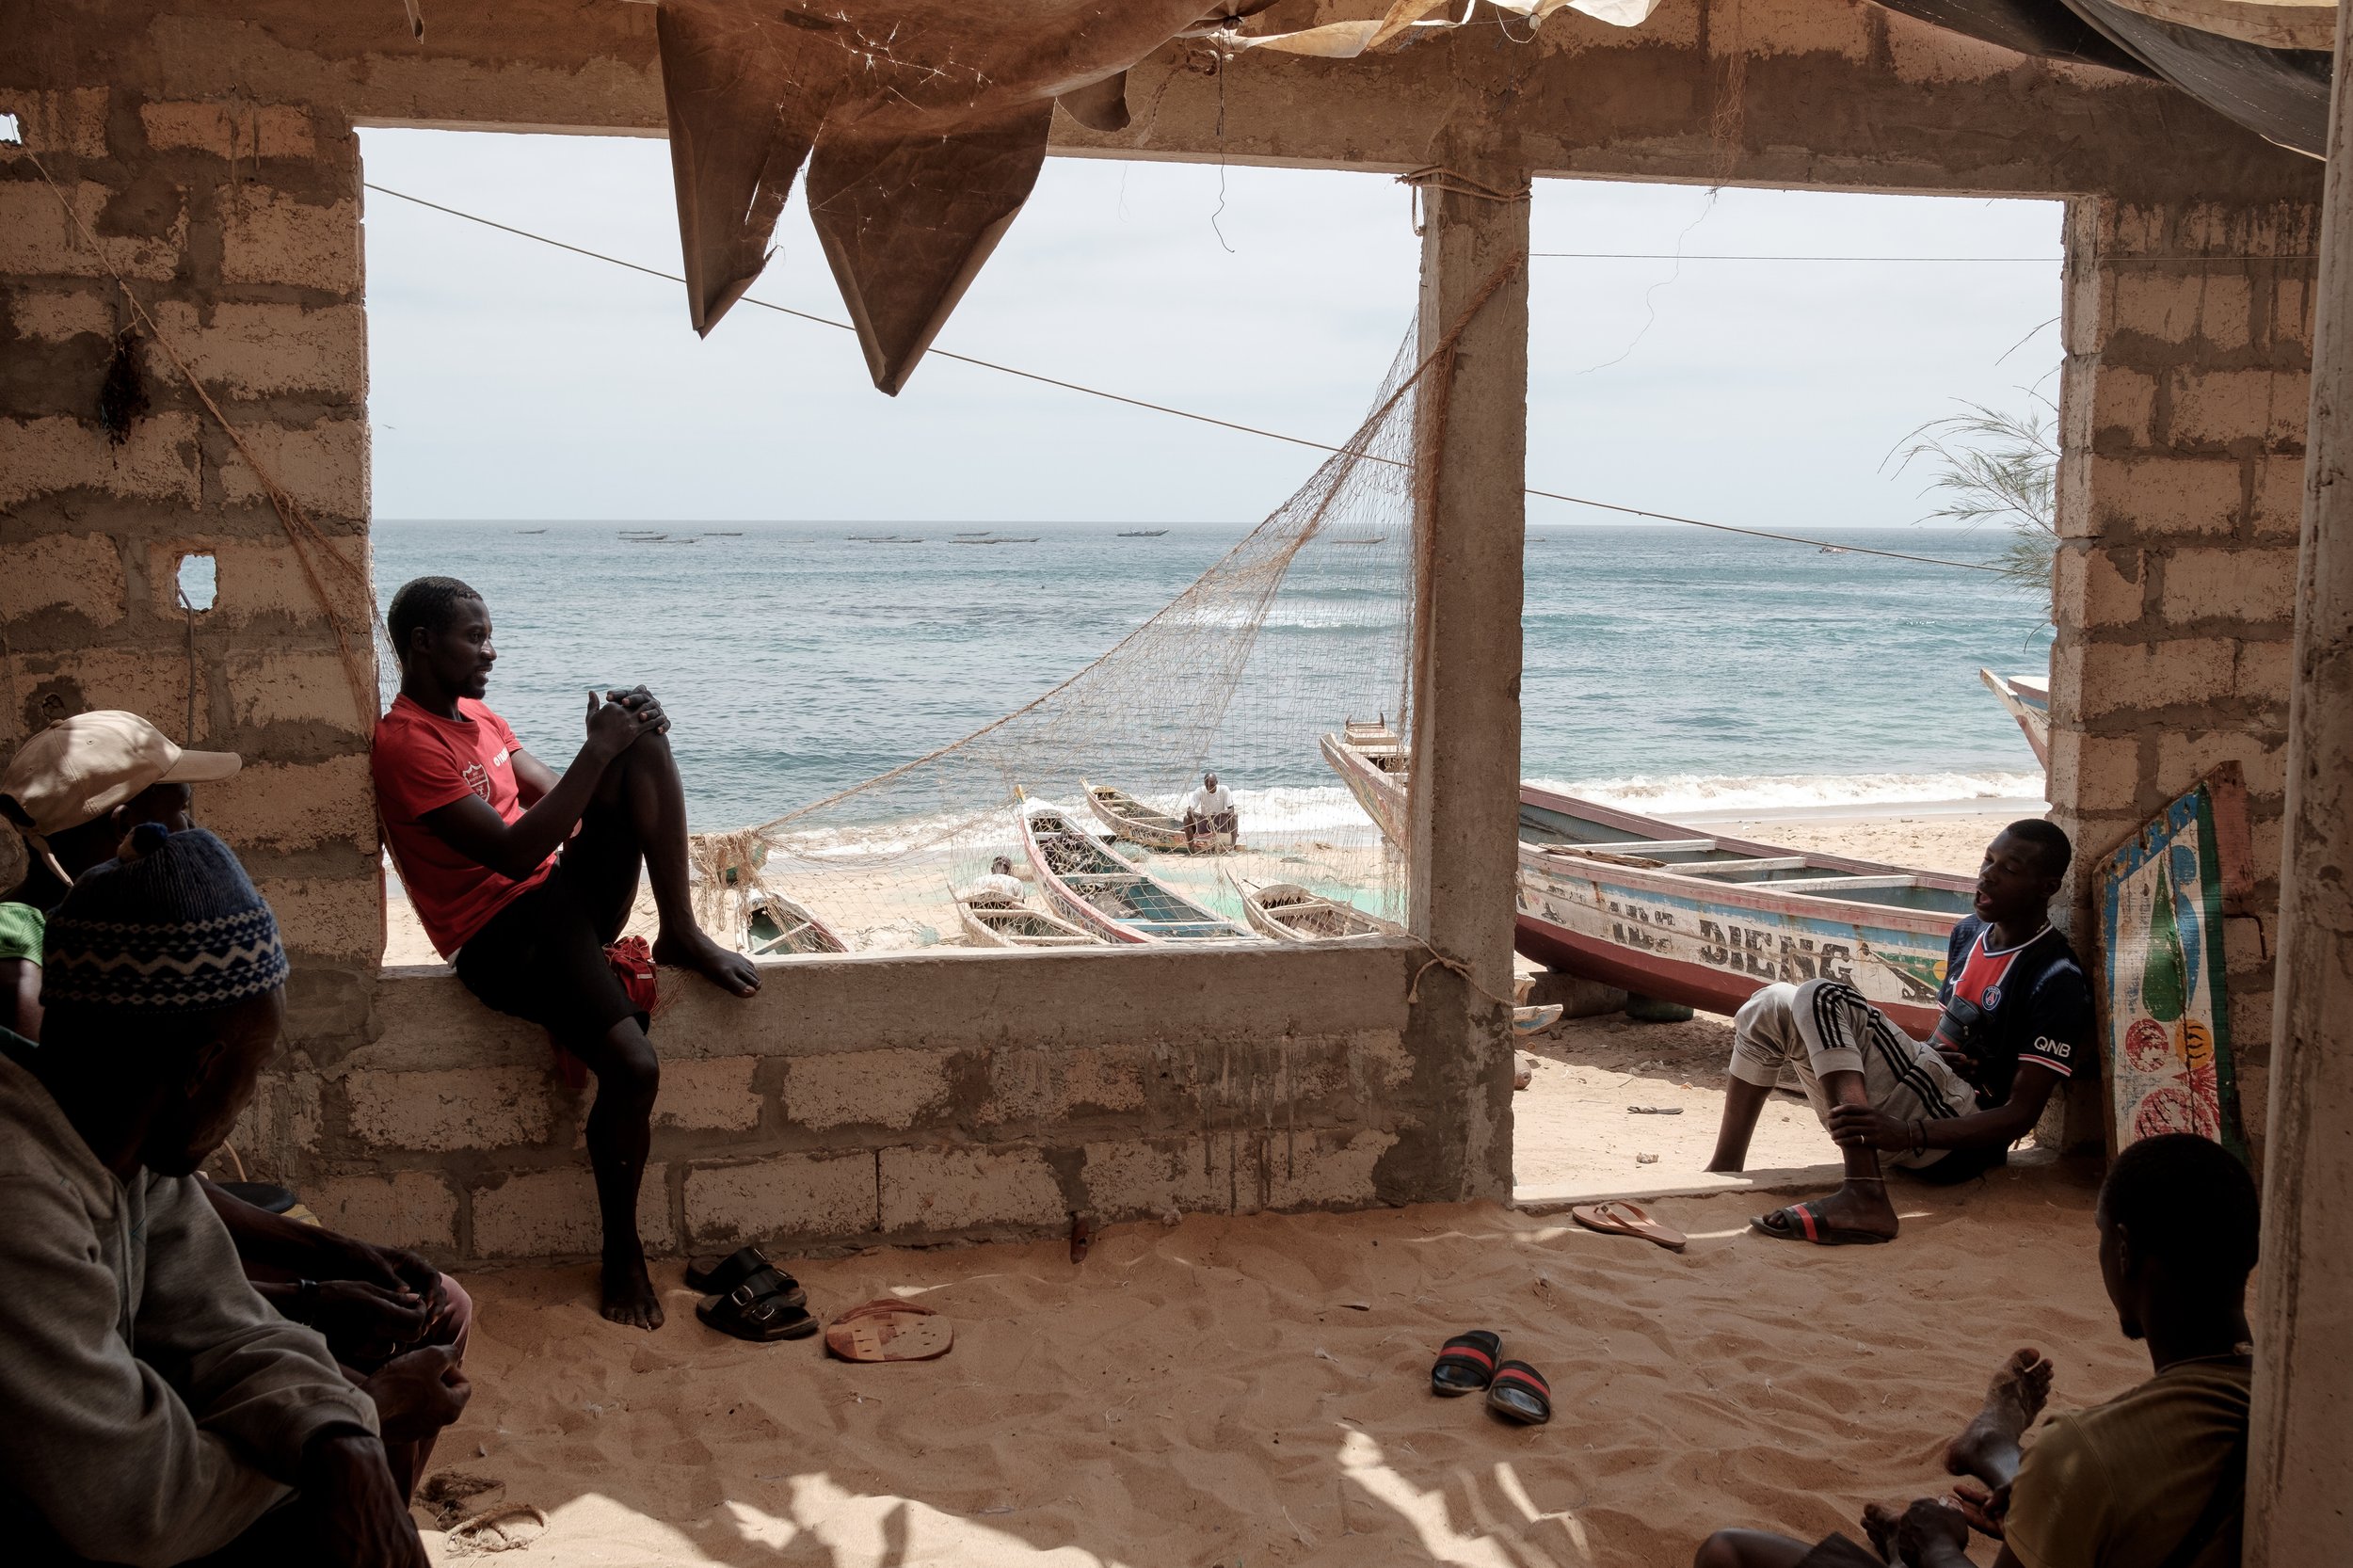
point(907, 1098)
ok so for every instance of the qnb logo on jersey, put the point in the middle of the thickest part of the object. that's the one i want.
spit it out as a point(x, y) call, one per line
point(477, 779)
point(500, 761)
point(2049, 1046)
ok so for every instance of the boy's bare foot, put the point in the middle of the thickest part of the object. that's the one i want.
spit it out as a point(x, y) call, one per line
point(629, 1293)
point(729, 970)
point(1878, 1522)
point(2013, 1399)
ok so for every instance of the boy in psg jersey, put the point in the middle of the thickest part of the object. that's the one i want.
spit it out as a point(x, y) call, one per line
point(2017, 1012)
point(523, 875)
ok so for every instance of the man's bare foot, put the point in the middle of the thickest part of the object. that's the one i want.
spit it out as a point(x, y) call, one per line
point(2013, 1399)
point(1878, 1522)
point(730, 971)
point(629, 1293)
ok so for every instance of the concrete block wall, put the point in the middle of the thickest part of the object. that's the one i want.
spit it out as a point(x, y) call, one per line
point(996, 1095)
point(238, 224)
point(2188, 337)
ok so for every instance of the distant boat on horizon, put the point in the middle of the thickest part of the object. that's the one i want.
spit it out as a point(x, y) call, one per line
point(530, 530)
point(1356, 538)
point(883, 538)
point(1143, 534)
point(968, 539)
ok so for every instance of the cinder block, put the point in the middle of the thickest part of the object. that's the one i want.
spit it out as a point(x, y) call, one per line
point(2150, 498)
point(151, 681)
point(61, 313)
point(892, 1089)
point(2266, 669)
point(269, 688)
point(2122, 408)
point(73, 122)
point(1052, 1085)
point(2094, 772)
point(1308, 1170)
point(2254, 1098)
point(281, 1126)
point(269, 236)
point(407, 1209)
point(334, 917)
point(715, 1094)
point(2251, 1021)
point(78, 573)
point(2181, 304)
point(966, 1189)
point(38, 238)
point(2215, 408)
point(460, 1108)
point(295, 806)
point(324, 467)
point(256, 579)
point(554, 1214)
point(268, 350)
point(241, 131)
point(2097, 587)
point(2266, 837)
point(2246, 944)
point(2278, 515)
point(1128, 1178)
point(2122, 677)
point(44, 456)
point(2186, 756)
point(2244, 586)
point(794, 1196)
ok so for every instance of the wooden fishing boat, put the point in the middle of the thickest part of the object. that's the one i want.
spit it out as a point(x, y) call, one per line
point(1094, 890)
point(1289, 913)
point(1536, 1019)
point(779, 925)
point(2028, 699)
point(1371, 760)
point(1149, 825)
point(1016, 925)
point(1682, 915)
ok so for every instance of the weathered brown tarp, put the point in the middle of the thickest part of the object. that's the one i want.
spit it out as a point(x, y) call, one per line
point(924, 124)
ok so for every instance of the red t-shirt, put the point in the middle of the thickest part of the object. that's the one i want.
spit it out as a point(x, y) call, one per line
point(422, 763)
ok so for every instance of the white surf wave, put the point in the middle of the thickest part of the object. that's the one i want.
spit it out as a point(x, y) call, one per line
point(1670, 795)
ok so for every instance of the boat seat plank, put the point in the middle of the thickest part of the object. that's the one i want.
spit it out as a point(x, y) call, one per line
point(1832, 883)
point(1719, 868)
point(1636, 846)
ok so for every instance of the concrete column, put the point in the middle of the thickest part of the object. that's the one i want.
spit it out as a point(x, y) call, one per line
point(1470, 531)
point(2300, 1482)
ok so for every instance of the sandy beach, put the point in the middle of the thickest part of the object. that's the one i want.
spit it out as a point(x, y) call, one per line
point(1254, 1392)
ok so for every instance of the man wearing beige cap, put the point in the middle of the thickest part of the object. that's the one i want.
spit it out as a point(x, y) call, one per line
point(74, 790)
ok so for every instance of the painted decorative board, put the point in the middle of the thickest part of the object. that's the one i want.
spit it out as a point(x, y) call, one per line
point(2162, 898)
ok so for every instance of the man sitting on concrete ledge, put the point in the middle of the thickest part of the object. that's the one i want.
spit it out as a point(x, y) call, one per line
point(74, 791)
point(476, 824)
point(153, 1409)
point(2016, 1011)
point(2156, 1476)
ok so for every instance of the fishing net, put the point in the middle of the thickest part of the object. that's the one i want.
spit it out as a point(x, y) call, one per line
point(1305, 624)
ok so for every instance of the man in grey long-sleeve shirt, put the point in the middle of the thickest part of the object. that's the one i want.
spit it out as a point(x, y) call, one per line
point(153, 1408)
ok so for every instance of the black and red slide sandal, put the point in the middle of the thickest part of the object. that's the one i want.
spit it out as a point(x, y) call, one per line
point(1520, 1394)
point(1466, 1363)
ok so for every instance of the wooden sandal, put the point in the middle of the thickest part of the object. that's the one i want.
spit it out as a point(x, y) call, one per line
point(890, 1330)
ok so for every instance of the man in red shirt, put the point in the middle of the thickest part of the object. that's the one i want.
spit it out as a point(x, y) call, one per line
point(522, 877)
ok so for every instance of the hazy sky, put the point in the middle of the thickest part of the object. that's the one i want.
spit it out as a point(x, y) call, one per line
point(513, 381)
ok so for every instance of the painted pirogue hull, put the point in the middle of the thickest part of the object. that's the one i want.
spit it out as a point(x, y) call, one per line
point(1657, 931)
point(1288, 913)
point(1139, 824)
point(1125, 905)
point(2028, 704)
point(781, 925)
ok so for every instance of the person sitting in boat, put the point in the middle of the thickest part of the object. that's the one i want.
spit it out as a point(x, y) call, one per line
point(1208, 812)
point(2017, 1010)
point(2154, 1476)
point(1000, 886)
point(476, 823)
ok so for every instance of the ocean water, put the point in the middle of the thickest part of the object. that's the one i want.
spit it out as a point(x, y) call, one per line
point(1670, 668)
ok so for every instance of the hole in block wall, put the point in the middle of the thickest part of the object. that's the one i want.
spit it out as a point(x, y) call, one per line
point(11, 134)
point(198, 580)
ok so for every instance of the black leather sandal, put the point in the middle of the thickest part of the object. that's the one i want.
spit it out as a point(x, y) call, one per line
point(764, 1309)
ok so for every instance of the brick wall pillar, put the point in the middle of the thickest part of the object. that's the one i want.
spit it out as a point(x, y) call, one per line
point(2188, 337)
point(237, 225)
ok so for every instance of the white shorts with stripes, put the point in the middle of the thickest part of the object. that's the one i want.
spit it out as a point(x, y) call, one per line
point(1824, 1026)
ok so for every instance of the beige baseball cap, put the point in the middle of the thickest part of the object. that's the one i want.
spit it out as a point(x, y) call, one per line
point(79, 769)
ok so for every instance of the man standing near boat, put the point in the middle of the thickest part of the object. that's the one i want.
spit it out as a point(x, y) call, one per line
point(1209, 811)
point(476, 823)
point(2017, 1010)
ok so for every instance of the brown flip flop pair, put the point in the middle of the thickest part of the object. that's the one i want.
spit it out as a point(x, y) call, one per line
point(890, 1330)
point(1619, 1218)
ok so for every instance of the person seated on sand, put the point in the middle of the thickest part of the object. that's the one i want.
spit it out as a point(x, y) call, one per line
point(2016, 1011)
point(76, 790)
point(1000, 886)
point(153, 1408)
point(1209, 811)
point(2156, 1476)
point(476, 823)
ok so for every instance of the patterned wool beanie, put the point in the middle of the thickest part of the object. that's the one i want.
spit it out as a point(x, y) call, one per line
point(174, 926)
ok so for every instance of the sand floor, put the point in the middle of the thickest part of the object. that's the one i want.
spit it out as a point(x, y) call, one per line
point(1253, 1392)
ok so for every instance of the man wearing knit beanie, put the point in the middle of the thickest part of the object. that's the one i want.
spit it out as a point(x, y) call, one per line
point(153, 1408)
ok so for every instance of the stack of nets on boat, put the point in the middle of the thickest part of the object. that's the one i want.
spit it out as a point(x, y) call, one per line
point(1304, 624)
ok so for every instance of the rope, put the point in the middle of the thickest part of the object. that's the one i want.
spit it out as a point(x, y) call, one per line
point(291, 516)
point(1455, 183)
point(1175, 412)
point(1453, 966)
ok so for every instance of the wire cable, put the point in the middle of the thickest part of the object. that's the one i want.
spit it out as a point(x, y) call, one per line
point(1182, 413)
